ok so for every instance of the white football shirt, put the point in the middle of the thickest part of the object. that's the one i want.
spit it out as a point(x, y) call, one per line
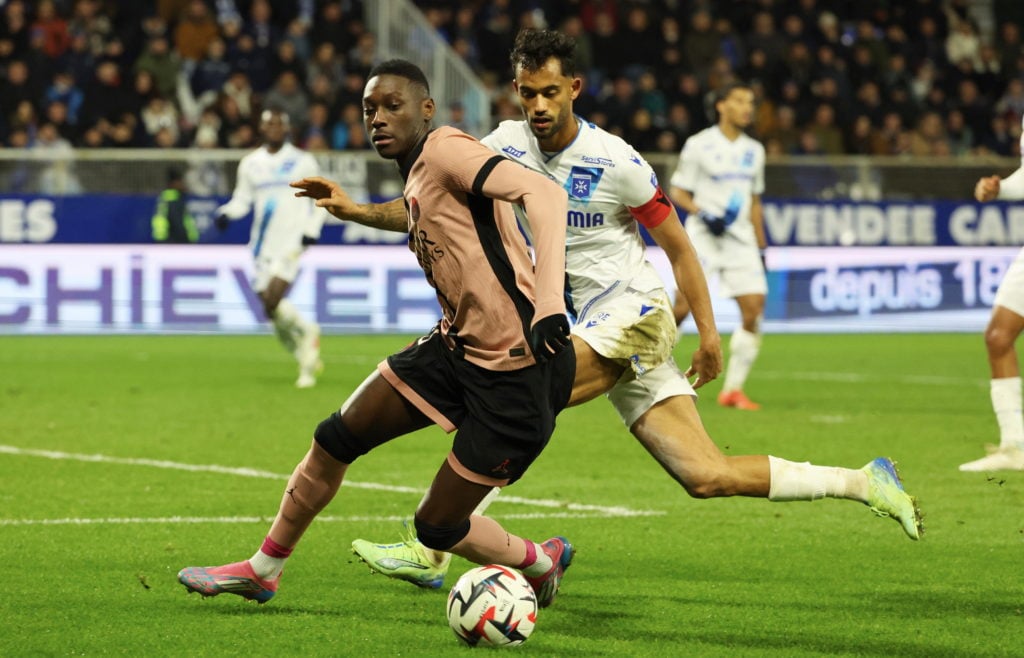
point(280, 219)
point(603, 177)
point(1011, 188)
point(722, 175)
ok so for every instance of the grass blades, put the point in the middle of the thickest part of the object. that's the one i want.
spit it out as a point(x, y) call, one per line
point(125, 458)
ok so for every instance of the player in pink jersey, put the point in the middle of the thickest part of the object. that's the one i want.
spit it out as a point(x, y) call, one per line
point(498, 367)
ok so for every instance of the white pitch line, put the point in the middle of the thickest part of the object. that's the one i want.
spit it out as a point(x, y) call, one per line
point(184, 520)
point(599, 510)
point(861, 378)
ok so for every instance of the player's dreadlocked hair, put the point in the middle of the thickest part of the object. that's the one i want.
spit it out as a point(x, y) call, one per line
point(533, 47)
point(402, 68)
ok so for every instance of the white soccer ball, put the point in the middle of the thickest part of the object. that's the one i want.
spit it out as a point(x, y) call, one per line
point(492, 605)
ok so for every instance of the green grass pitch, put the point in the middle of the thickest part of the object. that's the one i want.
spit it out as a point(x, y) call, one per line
point(124, 459)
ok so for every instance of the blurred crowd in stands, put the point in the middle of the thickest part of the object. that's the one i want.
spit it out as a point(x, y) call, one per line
point(915, 77)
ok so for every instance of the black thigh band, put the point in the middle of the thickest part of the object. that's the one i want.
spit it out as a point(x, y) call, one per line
point(440, 538)
point(338, 441)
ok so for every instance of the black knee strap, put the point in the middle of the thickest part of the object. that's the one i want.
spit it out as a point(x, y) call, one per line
point(440, 538)
point(338, 441)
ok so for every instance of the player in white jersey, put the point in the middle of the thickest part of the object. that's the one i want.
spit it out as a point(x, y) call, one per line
point(282, 227)
point(718, 182)
point(1004, 327)
point(624, 329)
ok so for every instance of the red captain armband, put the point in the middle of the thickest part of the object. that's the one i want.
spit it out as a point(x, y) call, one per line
point(654, 211)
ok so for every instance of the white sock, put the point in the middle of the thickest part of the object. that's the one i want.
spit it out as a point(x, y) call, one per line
point(290, 326)
point(1006, 402)
point(743, 349)
point(266, 567)
point(284, 324)
point(541, 565)
point(805, 481)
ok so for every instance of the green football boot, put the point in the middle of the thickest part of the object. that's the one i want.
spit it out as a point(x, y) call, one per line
point(886, 497)
point(407, 560)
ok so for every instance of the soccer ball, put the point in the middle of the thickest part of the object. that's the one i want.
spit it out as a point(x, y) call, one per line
point(492, 605)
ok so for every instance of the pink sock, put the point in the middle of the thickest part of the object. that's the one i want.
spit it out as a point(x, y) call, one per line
point(531, 555)
point(273, 549)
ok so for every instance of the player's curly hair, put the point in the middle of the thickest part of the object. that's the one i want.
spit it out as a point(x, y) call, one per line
point(403, 69)
point(533, 47)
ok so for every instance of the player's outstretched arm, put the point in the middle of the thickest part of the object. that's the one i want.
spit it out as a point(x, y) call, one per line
point(329, 195)
point(706, 362)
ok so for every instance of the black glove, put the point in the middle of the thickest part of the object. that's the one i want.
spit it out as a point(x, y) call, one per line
point(715, 224)
point(549, 336)
point(308, 240)
point(221, 222)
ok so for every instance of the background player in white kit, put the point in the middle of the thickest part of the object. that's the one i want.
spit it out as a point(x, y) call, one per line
point(624, 331)
point(718, 182)
point(1004, 327)
point(282, 227)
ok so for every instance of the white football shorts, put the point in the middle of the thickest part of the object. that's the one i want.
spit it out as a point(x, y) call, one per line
point(1011, 289)
point(269, 265)
point(637, 328)
point(737, 266)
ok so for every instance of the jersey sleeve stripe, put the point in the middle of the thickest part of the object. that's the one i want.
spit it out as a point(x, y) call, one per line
point(485, 171)
point(482, 209)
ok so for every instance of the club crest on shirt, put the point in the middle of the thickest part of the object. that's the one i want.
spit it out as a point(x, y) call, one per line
point(582, 182)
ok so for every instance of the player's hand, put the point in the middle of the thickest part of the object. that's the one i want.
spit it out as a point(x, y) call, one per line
point(706, 362)
point(715, 224)
point(986, 189)
point(549, 336)
point(328, 195)
point(308, 240)
point(221, 221)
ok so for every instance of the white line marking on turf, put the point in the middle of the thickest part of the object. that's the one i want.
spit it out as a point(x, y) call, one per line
point(828, 419)
point(319, 519)
point(861, 378)
point(599, 510)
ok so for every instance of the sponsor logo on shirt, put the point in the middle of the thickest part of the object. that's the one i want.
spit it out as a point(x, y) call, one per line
point(579, 219)
point(582, 182)
point(513, 151)
point(604, 162)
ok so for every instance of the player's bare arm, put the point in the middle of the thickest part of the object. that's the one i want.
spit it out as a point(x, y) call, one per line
point(706, 362)
point(329, 195)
